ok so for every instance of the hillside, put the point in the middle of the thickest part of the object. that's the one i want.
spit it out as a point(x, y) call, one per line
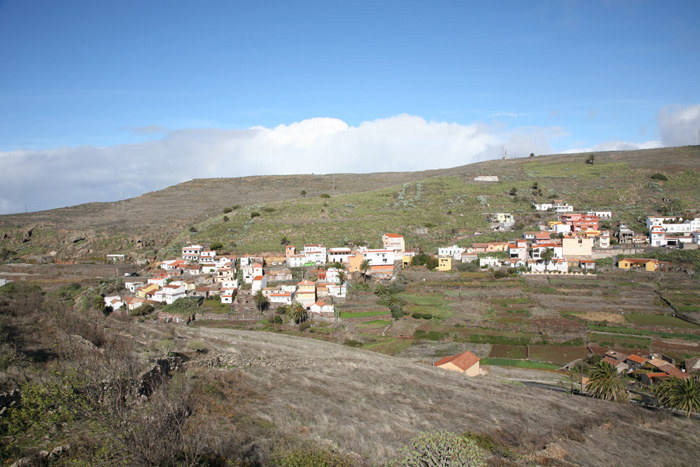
point(364, 205)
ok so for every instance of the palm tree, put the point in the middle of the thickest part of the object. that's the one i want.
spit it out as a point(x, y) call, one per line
point(260, 301)
point(341, 277)
point(680, 394)
point(605, 384)
point(298, 313)
point(364, 267)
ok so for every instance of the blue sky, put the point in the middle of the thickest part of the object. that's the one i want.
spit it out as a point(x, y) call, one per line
point(221, 88)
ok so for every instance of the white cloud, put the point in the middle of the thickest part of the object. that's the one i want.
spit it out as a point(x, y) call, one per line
point(66, 176)
point(616, 146)
point(679, 126)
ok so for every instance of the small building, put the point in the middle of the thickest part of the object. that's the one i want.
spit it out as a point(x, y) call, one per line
point(639, 263)
point(394, 242)
point(444, 263)
point(466, 363)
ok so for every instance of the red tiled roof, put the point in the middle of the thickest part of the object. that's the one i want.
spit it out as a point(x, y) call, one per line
point(464, 361)
point(637, 359)
point(393, 235)
point(673, 371)
point(258, 278)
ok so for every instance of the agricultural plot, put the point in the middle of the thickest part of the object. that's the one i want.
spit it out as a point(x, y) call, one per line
point(556, 353)
point(508, 351)
point(659, 320)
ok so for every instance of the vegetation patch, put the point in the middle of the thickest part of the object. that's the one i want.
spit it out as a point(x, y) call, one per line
point(362, 314)
point(556, 353)
point(508, 351)
point(519, 363)
point(659, 320)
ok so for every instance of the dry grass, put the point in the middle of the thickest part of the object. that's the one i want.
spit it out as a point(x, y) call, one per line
point(370, 404)
point(601, 316)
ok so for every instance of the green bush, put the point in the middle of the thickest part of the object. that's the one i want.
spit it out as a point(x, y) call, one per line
point(660, 177)
point(197, 346)
point(269, 209)
point(440, 449)
point(325, 195)
point(227, 210)
point(254, 214)
point(309, 455)
point(216, 246)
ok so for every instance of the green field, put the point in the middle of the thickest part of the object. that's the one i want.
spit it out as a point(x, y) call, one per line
point(556, 353)
point(519, 363)
point(427, 303)
point(362, 314)
point(377, 323)
point(659, 320)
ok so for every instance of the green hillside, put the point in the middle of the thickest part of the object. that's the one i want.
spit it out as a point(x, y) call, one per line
point(450, 209)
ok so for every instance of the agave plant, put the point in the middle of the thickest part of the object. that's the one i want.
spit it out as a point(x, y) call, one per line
point(604, 383)
point(679, 394)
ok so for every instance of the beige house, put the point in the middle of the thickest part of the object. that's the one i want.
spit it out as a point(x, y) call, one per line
point(466, 363)
point(577, 246)
point(394, 242)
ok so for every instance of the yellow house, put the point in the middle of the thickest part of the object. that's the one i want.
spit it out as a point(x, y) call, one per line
point(148, 290)
point(466, 363)
point(354, 262)
point(306, 292)
point(638, 263)
point(444, 263)
point(406, 261)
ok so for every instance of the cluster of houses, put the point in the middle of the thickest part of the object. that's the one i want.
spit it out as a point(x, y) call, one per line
point(562, 245)
point(202, 272)
point(658, 366)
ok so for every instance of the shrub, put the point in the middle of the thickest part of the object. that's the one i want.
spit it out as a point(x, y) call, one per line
point(659, 176)
point(309, 455)
point(269, 209)
point(235, 206)
point(216, 246)
point(193, 229)
point(254, 214)
point(227, 210)
point(352, 343)
point(143, 310)
point(417, 315)
point(277, 319)
point(325, 195)
point(225, 219)
point(197, 346)
point(440, 449)
point(304, 326)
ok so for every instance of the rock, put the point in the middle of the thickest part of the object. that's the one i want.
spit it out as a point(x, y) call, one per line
point(76, 237)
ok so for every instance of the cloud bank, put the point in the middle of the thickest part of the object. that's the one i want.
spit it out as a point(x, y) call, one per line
point(48, 179)
point(66, 176)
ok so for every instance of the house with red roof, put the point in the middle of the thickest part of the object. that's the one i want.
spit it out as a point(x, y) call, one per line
point(466, 363)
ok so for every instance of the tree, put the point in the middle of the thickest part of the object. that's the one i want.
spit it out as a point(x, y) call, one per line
point(532, 154)
point(590, 159)
point(298, 313)
point(548, 255)
point(303, 193)
point(364, 267)
point(284, 241)
point(440, 449)
point(227, 210)
point(513, 191)
point(341, 277)
point(216, 246)
point(260, 300)
point(604, 383)
point(225, 218)
point(680, 394)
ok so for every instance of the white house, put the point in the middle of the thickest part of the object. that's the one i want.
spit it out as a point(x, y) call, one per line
point(538, 249)
point(517, 250)
point(114, 301)
point(543, 206)
point(600, 214)
point(281, 298)
point(131, 286)
point(604, 239)
point(378, 257)
point(560, 228)
point(229, 284)
point(192, 252)
point(657, 236)
point(561, 207)
point(489, 261)
point(159, 281)
point(454, 251)
point(259, 283)
point(394, 242)
point(209, 269)
point(333, 275)
point(338, 290)
point(227, 296)
point(296, 261)
point(339, 255)
point(315, 254)
point(321, 307)
point(674, 224)
point(169, 294)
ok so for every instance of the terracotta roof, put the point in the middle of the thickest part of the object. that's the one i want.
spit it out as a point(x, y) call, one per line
point(673, 371)
point(657, 362)
point(393, 235)
point(464, 361)
point(611, 361)
point(637, 359)
point(258, 278)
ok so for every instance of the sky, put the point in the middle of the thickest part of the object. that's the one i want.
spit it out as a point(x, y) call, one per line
point(101, 101)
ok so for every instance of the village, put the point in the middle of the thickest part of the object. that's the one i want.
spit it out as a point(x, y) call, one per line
point(315, 278)
point(568, 245)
